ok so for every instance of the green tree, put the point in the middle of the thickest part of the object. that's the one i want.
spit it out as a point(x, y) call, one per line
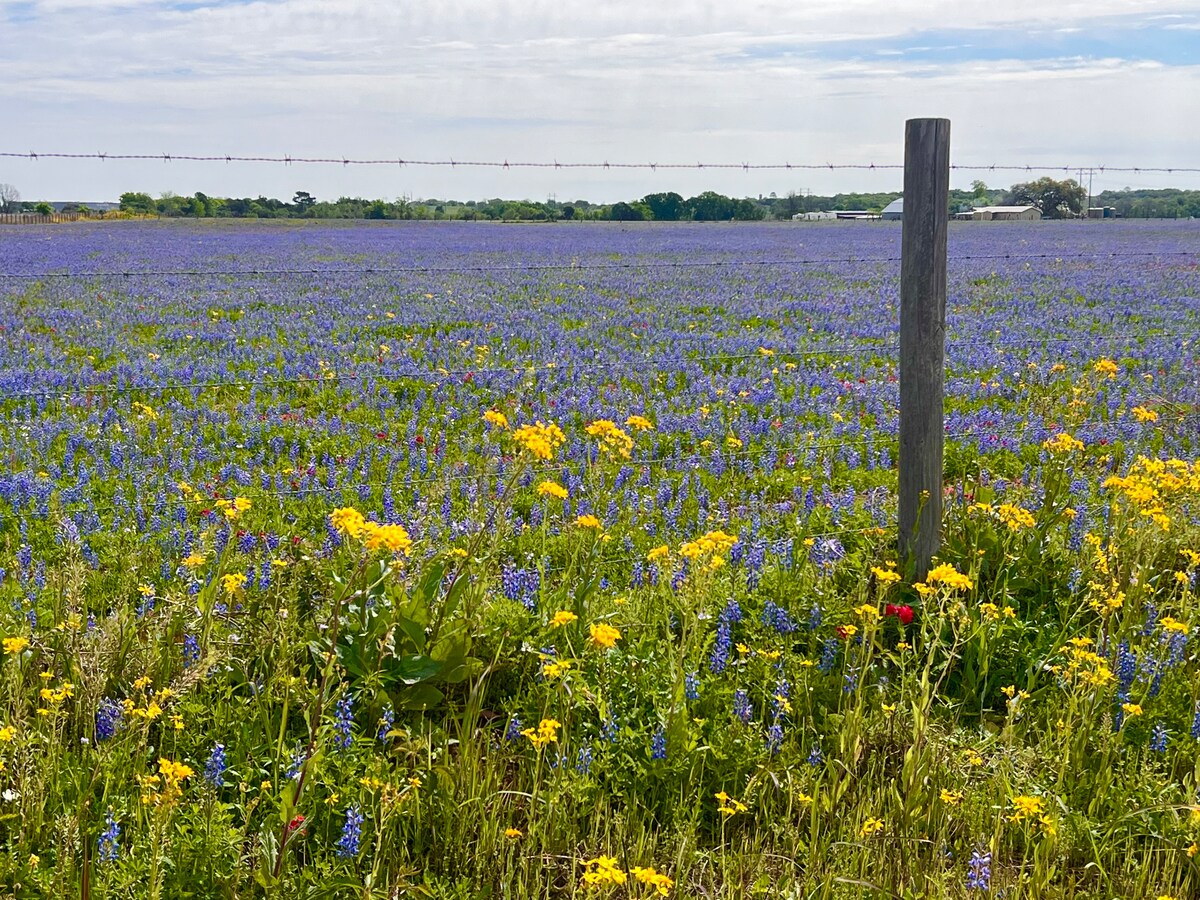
point(1054, 199)
point(711, 207)
point(625, 212)
point(136, 202)
point(666, 207)
point(43, 209)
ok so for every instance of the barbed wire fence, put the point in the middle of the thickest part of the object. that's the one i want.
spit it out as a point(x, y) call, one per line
point(365, 380)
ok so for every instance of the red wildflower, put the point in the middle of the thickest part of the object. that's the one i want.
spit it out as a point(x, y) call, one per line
point(903, 613)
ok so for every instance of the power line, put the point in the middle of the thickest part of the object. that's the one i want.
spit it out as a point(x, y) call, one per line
point(452, 163)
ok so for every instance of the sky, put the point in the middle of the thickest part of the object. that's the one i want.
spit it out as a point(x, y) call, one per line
point(1043, 83)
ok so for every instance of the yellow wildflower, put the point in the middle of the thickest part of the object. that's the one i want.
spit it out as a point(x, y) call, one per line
point(885, 576)
point(193, 561)
point(550, 489)
point(870, 827)
point(951, 798)
point(658, 553)
point(14, 645)
point(639, 423)
point(949, 576)
point(613, 441)
point(1142, 414)
point(539, 440)
point(7, 734)
point(563, 617)
point(603, 635)
point(233, 583)
point(649, 876)
point(496, 419)
point(348, 521)
point(587, 521)
point(513, 833)
point(1063, 443)
point(387, 537)
point(1025, 807)
point(602, 871)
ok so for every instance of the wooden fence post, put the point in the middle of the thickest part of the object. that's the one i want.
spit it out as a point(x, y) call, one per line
point(923, 338)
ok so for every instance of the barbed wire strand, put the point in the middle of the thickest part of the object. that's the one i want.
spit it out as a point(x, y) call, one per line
point(577, 267)
point(452, 163)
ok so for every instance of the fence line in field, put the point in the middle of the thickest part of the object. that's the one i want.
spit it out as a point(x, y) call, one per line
point(775, 355)
point(452, 163)
point(580, 267)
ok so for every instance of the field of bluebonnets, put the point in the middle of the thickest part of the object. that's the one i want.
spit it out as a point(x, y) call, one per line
point(458, 561)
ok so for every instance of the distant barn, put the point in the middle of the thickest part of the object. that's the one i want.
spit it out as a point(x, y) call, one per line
point(1005, 213)
point(894, 211)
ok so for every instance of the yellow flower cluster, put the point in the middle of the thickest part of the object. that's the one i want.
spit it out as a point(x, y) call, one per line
point(350, 522)
point(650, 876)
point(14, 645)
point(1084, 666)
point(870, 827)
point(1015, 517)
point(171, 776)
point(603, 635)
point(233, 583)
point(727, 806)
point(194, 560)
point(885, 576)
point(555, 668)
point(658, 553)
point(613, 441)
point(587, 521)
point(1063, 443)
point(602, 871)
point(546, 733)
point(550, 489)
point(1142, 414)
point(1032, 809)
point(950, 577)
point(233, 508)
point(563, 617)
point(496, 419)
point(538, 440)
point(1105, 368)
point(716, 543)
point(639, 423)
point(1151, 483)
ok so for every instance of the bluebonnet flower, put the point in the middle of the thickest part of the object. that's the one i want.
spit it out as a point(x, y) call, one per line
point(1158, 738)
point(775, 616)
point(344, 722)
point(741, 706)
point(386, 721)
point(815, 617)
point(733, 612)
point(191, 650)
point(691, 686)
point(610, 729)
point(108, 718)
point(108, 847)
point(583, 761)
point(513, 731)
point(348, 843)
point(829, 652)
point(815, 756)
point(979, 870)
point(658, 744)
point(774, 738)
point(214, 768)
point(1195, 732)
point(296, 764)
point(719, 658)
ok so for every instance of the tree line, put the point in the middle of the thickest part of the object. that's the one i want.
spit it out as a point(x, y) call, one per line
point(1053, 198)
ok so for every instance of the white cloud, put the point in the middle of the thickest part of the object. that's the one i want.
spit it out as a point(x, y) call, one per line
point(623, 80)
